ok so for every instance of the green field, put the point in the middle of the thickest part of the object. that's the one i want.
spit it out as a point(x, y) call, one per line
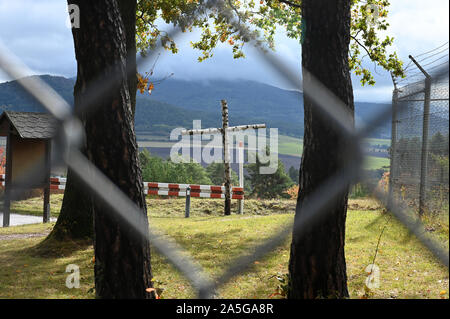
point(294, 146)
point(372, 162)
point(290, 145)
point(407, 269)
point(378, 141)
point(287, 145)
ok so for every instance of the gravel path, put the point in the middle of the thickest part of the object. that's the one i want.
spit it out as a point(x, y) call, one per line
point(16, 219)
point(23, 236)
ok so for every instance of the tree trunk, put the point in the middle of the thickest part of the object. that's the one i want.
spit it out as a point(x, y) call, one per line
point(75, 220)
point(317, 262)
point(122, 260)
point(128, 13)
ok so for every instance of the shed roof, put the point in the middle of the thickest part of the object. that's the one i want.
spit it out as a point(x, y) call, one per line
point(30, 124)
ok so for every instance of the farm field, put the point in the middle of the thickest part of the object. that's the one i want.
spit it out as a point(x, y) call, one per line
point(289, 148)
point(287, 145)
point(294, 146)
point(407, 269)
point(378, 141)
point(372, 162)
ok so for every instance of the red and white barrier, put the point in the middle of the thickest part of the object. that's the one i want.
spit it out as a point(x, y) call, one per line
point(58, 182)
point(204, 191)
point(165, 189)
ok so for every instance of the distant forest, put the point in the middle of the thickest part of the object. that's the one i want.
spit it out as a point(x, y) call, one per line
point(175, 103)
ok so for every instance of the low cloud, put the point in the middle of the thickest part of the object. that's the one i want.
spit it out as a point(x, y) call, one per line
point(36, 32)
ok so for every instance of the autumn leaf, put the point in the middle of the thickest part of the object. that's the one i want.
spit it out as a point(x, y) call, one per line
point(150, 290)
point(223, 37)
point(150, 88)
point(142, 83)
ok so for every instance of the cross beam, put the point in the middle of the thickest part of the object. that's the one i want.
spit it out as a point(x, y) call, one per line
point(220, 130)
point(224, 130)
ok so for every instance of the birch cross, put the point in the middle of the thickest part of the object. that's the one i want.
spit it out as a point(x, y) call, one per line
point(224, 130)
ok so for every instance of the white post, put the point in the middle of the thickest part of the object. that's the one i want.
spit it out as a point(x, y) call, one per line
point(241, 174)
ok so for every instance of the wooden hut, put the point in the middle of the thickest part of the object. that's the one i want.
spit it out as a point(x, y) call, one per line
point(28, 146)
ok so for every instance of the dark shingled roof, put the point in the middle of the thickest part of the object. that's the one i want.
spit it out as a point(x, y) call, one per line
point(32, 125)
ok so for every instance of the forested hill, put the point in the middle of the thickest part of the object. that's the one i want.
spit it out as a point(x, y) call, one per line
point(15, 98)
point(176, 103)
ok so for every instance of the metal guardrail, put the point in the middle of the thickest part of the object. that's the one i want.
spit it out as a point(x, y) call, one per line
point(71, 131)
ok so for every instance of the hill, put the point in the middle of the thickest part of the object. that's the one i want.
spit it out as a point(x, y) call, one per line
point(259, 102)
point(176, 103)
point(13, 97)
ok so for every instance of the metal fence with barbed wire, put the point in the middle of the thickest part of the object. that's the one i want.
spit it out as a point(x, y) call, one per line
point(420, 139)
point(70, 132)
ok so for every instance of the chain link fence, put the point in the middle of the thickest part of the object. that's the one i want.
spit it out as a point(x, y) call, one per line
point(420, 143)
point(70, 133)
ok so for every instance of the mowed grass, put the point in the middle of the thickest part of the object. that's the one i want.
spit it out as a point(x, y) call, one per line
point(407, 269)
point(159, 207)
point(35, 206)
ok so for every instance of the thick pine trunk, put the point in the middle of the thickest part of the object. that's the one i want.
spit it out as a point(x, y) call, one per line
point(75, 220)
point(128, 13)
point(317, 262)
point(122, 260)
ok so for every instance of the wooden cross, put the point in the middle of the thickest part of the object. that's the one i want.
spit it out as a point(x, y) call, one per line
point(226, 153)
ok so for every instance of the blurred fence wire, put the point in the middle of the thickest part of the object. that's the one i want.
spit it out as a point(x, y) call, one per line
point(67, 141)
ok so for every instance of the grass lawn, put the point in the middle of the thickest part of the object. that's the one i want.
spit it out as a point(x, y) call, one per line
point(407, 269)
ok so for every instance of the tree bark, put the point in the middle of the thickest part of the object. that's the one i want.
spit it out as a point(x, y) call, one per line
point(317, 265)
point(128, 13)
point(75, 220)
point(122, 260)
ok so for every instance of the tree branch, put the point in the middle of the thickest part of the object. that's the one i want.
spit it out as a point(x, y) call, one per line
point(290, 3)
point(362, 46)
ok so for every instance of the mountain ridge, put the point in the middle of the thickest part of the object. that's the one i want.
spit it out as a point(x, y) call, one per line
point(176, 103)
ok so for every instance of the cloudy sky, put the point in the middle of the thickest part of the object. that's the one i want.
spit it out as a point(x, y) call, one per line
point(36, 32)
